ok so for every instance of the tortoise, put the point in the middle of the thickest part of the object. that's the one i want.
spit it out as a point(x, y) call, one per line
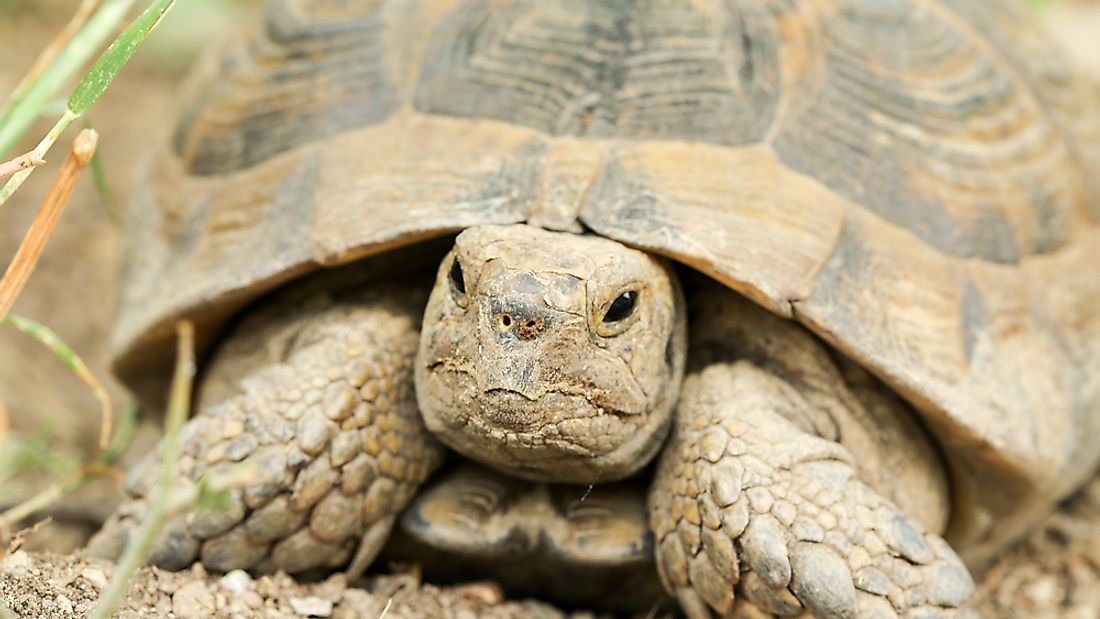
point(818, 278)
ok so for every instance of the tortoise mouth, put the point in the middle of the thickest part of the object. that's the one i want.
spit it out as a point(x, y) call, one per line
point(557, 436)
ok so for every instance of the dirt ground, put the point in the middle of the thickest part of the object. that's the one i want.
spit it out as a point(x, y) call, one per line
point(50, 586)
point(1055, 572)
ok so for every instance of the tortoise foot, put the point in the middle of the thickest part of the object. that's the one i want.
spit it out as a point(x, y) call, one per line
point(316, 395)
point(747, 506)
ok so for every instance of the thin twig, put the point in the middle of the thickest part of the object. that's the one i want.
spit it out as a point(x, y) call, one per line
point(48, 215)
point(20, 536)
point(22, 162)
point(68, 356)
point(179, 404)
point(44, 145)
point(38, 502)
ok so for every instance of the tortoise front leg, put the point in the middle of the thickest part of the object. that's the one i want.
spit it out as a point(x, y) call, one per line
point(317, 393)
point(745, 497)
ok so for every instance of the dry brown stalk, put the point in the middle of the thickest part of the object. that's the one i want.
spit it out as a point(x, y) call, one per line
point(44, 223)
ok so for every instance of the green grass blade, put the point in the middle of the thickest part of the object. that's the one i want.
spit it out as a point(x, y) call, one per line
point(105, 69)
point(26, 111)
point(48, 338)
point(91, 86)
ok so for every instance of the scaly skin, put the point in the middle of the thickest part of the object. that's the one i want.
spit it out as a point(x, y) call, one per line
point(318, 393)
point(745, 498)
point(758, 498)
point(759, 506)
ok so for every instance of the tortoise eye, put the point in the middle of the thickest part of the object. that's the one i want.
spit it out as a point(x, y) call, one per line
point(458, 283)
point(622, 307)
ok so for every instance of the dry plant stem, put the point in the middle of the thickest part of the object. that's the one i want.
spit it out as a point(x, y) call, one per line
point(20, 536)
point(83, 12)
point(16, 181)
point(27, 255)
point(50, 340)
point(22, 162)
point(179, 404)
point(35, 504)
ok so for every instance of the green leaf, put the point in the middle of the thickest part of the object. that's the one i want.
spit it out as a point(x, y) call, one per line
point(48, 338)
point(24, 112)
point(105, 69)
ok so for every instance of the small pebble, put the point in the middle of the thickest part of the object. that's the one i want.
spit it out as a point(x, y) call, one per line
point(166, 584)
point(236, 581)
point(252, 599)
point(193, 600)
point(17, 564)
point(487, 592)
point(311, 606)
point(232, 429)
point(163, 605)
point(95, 577)
point(333, 588)
point(65, 605)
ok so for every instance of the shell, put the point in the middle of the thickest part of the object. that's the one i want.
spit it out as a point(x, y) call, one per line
point(916, 181)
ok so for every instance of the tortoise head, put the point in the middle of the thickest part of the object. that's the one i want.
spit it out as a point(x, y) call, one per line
point(551, 356)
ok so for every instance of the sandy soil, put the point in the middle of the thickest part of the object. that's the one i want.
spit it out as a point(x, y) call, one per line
point(1055, 572)
point(64, 586)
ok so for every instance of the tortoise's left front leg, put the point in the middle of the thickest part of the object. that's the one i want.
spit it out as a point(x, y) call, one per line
point(314, 390)
point(759, 496)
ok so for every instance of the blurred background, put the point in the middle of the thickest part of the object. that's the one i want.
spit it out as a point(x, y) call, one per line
point(48, 415)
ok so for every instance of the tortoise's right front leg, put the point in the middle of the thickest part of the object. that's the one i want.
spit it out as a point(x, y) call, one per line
point(795, 483)
point(317, 392)
point(744, 499)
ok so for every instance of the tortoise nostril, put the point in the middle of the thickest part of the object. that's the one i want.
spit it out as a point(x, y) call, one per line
point(522, 323)
point(530, 329)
